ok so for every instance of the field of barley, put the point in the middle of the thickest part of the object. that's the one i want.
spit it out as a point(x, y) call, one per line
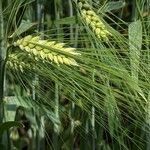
point(74, 74)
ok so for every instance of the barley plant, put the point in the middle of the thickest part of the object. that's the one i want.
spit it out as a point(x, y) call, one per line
point(74, 75)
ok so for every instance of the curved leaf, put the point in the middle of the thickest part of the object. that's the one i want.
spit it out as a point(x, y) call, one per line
point(6, 125)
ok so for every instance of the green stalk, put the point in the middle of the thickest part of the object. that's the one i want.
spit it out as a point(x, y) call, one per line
point(93, 118)
point(2, 61)
point(56, 129)
point(2, 64)
point(56, 126)
point(148, 123)
point(56, 109)
point(72, 109)
point(57, 17)
point(71, 15)
point(72, 124)
point(40, 28)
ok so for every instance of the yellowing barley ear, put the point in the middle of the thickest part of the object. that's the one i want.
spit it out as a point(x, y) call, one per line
point(47, 50)
point(93, 20)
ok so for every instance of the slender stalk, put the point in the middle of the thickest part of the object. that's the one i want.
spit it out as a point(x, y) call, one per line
point(2, 64)
point(40, 28)
point(148, 105)
point(93, 118)
point(56, 109)
point(56, 106)
point(40, 16)
point(71, 14)
point(72, 112)
point(56, 126)
point(73, 93)
point(148, 123)
point(2, 61)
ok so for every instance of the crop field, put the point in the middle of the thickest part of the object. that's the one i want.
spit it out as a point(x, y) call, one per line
point(74, 74)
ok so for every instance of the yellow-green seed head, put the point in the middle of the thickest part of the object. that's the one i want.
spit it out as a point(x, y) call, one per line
point(14, 62)
point(92, 20)
point(46, 50)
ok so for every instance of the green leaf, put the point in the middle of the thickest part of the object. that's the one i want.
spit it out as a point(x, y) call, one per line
point(66, 20)
point(113, 6)
point(112, 110)
point(5, 126)
point(135, 44)
point(24, 26)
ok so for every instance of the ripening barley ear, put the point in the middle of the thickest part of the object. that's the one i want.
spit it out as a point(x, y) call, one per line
point(15, 63)
point(93, 20)
point(34, 46)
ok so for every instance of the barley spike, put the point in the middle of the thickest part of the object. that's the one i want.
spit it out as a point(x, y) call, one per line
point(34, 46)
point(14, 62)
point(93, 20)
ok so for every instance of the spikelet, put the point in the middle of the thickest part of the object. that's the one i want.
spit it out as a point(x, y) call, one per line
point(34, 46)
point(93, 20)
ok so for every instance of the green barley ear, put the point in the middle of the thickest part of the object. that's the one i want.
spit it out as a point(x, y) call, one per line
point(47, 50)
point(92, 20)
point(15, 63)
